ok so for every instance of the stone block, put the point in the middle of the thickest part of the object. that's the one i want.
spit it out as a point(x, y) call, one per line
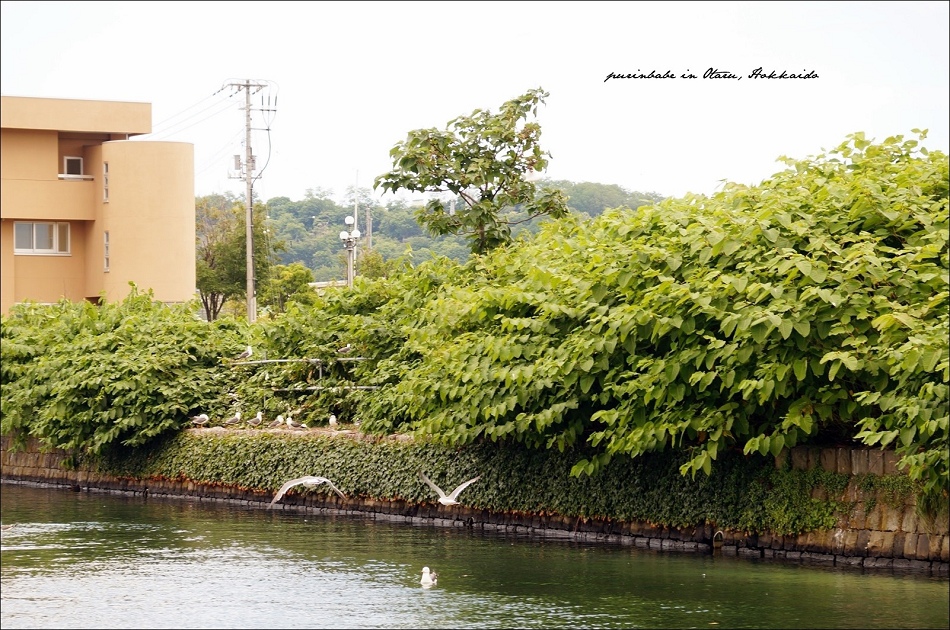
point(780, 459)
point(876, 462)
point(914, 566)
point(828, 460)
point(890, 463)
point(879, 563)
point(875, 517)
point(892, 518)
point(799, 458)
point(843, 461)
point(923, 547)
point(849, 545)
point(909, 520)
point(944, 549)
point(817, 558)
point(859, 462)
point(849, 561)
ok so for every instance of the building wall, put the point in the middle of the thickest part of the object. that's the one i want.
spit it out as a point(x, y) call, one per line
point(150, 212)
point(150, 217)
point(116, 118)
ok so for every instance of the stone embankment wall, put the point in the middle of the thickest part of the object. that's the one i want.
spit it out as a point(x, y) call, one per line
point(874, 535)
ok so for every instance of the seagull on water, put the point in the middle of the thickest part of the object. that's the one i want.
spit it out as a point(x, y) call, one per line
point(200, 420)
point(429, 578)
point(244, 355)
point(308, 481)
point(233, 419)
point(448, 499)
point(257, 420)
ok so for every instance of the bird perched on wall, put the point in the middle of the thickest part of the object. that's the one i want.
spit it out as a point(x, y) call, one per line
point(200, 420)
point(449, 499)
point(236, 418)
point(293, 424)
point(429, 578)
point(257, 420)
point(332, 421)
point(345, 349)
point(276, 422)
point(309, 481)
point(244, 355)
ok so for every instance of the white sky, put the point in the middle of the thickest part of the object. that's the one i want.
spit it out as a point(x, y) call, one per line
point(351, 79)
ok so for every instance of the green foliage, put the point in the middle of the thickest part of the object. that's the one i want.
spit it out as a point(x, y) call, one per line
point(812, 308)
point(484, 160)
point(221, 250)
point(288, 283)
point(81, 377)
point(742, 494)
point(812, 305)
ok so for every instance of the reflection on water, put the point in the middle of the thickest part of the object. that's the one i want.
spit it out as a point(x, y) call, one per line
point(84, 560)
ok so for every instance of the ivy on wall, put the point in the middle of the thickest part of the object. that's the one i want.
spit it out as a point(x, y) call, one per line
point(743, 493)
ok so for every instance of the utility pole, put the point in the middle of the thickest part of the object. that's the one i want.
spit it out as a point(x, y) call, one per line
point(248, 176)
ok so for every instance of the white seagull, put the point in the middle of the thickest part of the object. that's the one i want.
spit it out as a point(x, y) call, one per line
point(293, 424)
point(308, 481)
point(448, 499)
point(256, 420)
point(276, 422)
point(200, 420)
point(244, 355)
point(429, 578)
point(332, 420)
point(345, 349)
point(233, 419)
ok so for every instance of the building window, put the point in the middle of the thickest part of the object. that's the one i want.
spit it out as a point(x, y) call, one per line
point(72, 165)
point(105, 251)
point(40, 238)
point(105, 187)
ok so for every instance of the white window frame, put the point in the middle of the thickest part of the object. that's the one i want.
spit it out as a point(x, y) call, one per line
point(105, 251)
point(59, 231)
point(105, 182)
point(67, 159)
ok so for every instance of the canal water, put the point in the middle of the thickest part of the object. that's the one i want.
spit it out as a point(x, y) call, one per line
point(100, 560)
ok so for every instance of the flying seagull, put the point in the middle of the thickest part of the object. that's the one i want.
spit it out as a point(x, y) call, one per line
point(450, 499)
point(429, 578)
point(308, 481)
point(244, 355)
point(200, 420)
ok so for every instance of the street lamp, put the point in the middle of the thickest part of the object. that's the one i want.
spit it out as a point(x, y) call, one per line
point(350, 237)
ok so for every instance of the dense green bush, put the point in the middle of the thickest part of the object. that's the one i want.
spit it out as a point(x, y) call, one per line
point(812, 308)
point(80, 377)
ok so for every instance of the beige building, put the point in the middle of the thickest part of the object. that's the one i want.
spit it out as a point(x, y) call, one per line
point(84, 210)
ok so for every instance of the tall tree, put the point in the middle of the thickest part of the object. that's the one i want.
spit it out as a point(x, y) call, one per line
point(221, 251)
point(487, 161)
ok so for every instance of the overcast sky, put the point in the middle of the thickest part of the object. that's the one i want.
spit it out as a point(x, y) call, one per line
point(345, 81)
